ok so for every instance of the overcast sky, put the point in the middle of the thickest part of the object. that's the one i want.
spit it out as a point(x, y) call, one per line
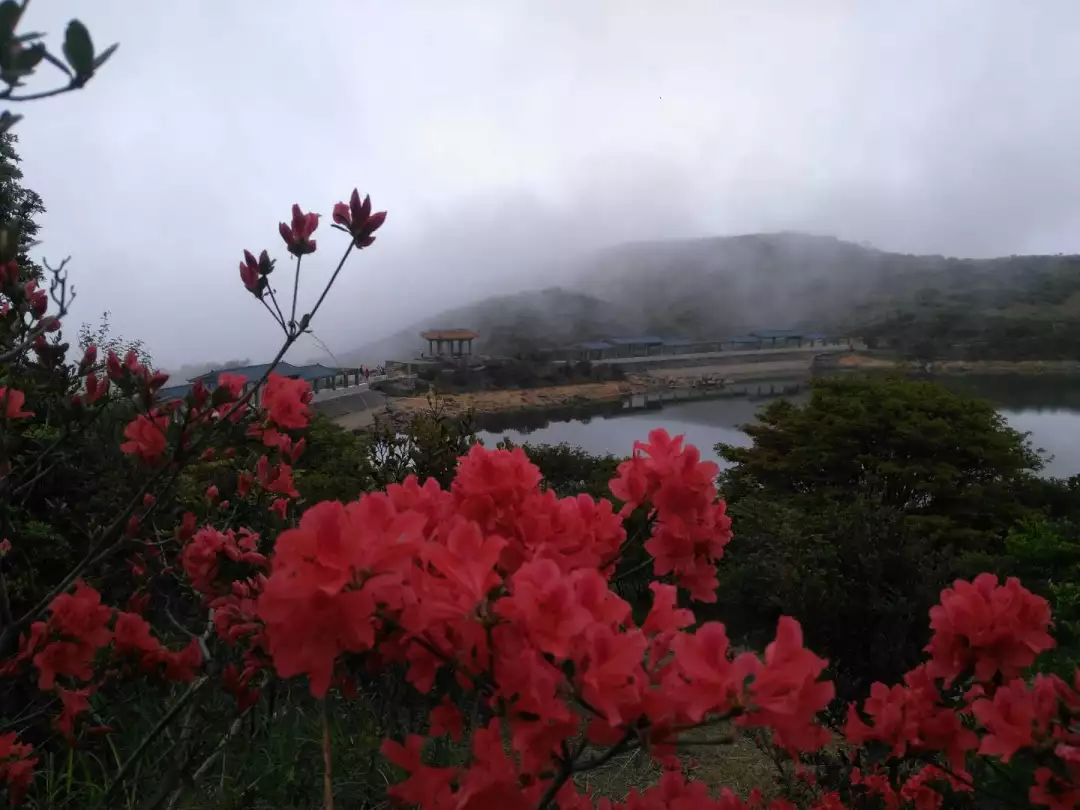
point(506, 136)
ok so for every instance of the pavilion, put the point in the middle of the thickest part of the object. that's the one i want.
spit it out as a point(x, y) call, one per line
point(449, 342)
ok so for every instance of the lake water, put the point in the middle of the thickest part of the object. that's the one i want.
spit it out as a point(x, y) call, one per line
point(1046, 407)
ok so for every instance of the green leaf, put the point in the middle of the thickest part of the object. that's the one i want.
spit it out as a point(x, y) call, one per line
point(79, 49)
point(27, 59)
point(105, 54)
point(10, 11)
point(8, 119)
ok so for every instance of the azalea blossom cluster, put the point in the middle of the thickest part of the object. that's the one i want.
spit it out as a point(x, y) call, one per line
point(80, 645)
point(64, 651)
point(509, 587)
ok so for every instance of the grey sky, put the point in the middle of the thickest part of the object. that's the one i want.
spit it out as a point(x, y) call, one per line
point(506, 135)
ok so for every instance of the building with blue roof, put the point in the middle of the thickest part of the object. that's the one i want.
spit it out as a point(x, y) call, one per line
point(321, 377)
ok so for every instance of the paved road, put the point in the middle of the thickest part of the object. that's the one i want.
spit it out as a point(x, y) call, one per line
point(354, 408)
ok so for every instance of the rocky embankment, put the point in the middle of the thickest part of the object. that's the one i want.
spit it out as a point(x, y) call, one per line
point(514, 400)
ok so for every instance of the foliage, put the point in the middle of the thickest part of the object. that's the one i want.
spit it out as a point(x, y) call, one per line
point(569, 470)
point(858, 506)
point(521, 372)
point(103, 338)
point(21, 54)
point(1046, 553)
point(20, 206)
point(428, 446)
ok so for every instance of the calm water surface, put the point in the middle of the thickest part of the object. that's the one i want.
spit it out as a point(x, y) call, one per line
point(1046, 407)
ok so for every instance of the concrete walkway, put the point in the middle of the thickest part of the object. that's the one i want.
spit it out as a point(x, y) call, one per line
point(781, 353)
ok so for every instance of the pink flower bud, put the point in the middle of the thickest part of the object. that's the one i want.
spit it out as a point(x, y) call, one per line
point(113, 367)
point(95, 388)
point(298, 236)
point(249, 274)
point(88, 359)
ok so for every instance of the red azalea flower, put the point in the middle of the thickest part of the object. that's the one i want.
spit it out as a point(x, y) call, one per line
point(113, 367)
point(988, 627)
point(74, 702)
point(39, 299)
point(95, 388)
point(285, 401)
point(146, 437)
point(276, 479)
point(786, 694)
point(298, 236)
point(1017, 714)
point(16, 766)
point(12, 401)
point(249, 274)
point(355, 218)
point(80, 622)
point(1052, 791)
point(232, 384)
point(88, 359)
point(280, 507)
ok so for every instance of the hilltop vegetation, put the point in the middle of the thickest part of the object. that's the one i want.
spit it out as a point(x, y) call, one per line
point(927, 307)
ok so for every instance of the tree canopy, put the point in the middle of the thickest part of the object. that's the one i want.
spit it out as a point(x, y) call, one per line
point(854, 508)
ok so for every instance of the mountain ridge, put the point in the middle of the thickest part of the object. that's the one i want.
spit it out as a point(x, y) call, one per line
point(711, 286)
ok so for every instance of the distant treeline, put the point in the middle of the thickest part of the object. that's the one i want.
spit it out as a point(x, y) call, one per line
point(1029, 309)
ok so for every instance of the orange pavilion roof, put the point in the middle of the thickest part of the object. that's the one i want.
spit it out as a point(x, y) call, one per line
point(449, 334)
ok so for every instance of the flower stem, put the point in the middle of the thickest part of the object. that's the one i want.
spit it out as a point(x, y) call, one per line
point(328, 784)
point(295, 290)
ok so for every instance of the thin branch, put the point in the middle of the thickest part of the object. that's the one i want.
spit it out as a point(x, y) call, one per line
point(620, 747)
point(8, 96)
point(295, 290)
point(328, 782)
point(649, 561)
point(167, 718)
point(280, 314)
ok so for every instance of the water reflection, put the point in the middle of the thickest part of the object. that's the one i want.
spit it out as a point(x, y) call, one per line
point(1046, 407)
point(705, 417)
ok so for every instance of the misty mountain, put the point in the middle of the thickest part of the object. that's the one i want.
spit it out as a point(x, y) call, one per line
point(508, 324)
point(712, 287)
